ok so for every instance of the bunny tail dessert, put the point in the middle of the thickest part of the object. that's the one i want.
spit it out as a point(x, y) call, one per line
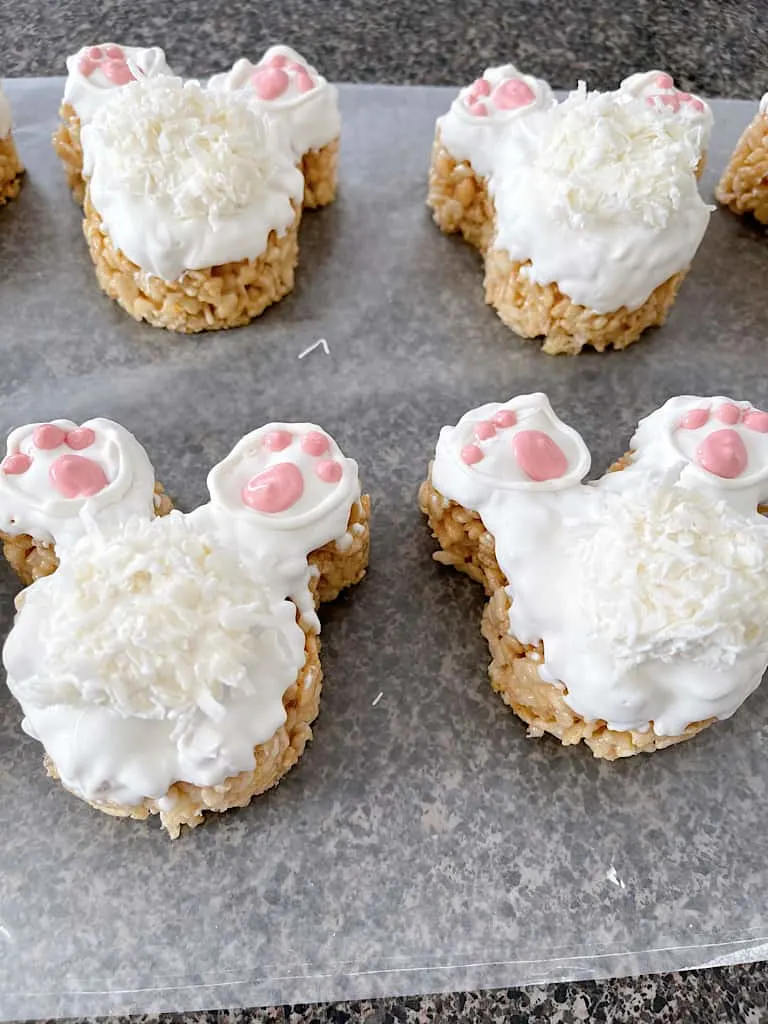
point(305, 107)
point(11, 168)
point(629, 613)
point(586, 212)
point(170, 665)
point(192, 205)
point(94, 74)
point(743, 187)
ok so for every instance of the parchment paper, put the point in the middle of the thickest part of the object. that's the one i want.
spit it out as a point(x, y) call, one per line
point(422, 843)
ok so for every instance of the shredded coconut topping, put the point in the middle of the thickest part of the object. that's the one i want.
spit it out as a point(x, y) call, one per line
point(671, 574)
point(612, 157)
point(158, 621)
point(208, 153)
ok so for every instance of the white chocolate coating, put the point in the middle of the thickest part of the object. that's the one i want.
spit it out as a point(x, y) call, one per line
point(30, 503)
point(307, 120)
point(186, 179)
point(658, 88)
point(86, 93)
point(648, 591)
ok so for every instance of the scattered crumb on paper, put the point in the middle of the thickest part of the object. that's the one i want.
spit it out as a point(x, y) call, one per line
point(320, 343)
point(377, 699)
point(614, 878)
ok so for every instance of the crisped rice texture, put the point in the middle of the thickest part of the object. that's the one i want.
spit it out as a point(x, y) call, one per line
point(744, 184)
point(534, 310)
point(459, 199)
point(460, 203)
point(467, 545)
point(11, 169)
point(514, 674)
point(185, 804)
point(337, 568)
point(66, 143)
point(319, 167)
point(229, 295)
point(31, 558)
point(342, 567)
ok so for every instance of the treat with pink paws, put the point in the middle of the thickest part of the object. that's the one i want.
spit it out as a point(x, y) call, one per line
point(171, 664)
point(628, 613)
point(93, 73)
point(586, 212)
point(60, 478)
point(305, 108)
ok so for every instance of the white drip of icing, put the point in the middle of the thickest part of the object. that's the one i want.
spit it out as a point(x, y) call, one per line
point(648, 591)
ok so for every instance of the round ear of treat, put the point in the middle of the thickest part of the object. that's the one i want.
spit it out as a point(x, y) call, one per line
point(57, 476)
point(521, 445)
point(503, 93)
point(718, 442)
point(95, 70)
point(657, 88)
point(281, 78)
point(283, 477)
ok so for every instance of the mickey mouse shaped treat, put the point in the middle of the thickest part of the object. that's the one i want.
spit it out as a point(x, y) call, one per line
point(631, 612)
point(93, 75)
point(587, 212)
point(303, 104)
point(192, 205)
point(170, 665)
point(11, 168)
point(743, 187)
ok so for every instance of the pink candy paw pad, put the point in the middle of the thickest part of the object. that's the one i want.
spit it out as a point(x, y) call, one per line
point(511, 94)
point(72, 476)
point(722, 451)
point(110, 60)
point(669, 96)
point(537, 454)
point(274, 77)
point(280, 486)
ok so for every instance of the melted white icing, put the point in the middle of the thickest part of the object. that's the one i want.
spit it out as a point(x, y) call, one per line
point(86, 93)
point(649, 594)
point(764, 103)
point(186, 179)
point(152, 655)
point(30, 503)
point(657, 88)
point(5, 115)
point(280, 541)
point(601, 197)
point(468, 136)
point(306, 120)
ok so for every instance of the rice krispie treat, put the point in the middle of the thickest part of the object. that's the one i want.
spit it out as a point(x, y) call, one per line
point(192, 206)
point(59, 478)
point(305, 107)
point(11, 168)
point(587, 212)
point(171, 664)
point(93, 75)
point(744, 184)
point(628, 613)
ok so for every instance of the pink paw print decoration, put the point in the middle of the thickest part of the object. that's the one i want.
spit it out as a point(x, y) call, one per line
point(503, 91)
point(54, 472)
point(725, 440)
point(280, 75)
point(110, 60)
point(283, 476)
point(521, 445)
point(658, 89)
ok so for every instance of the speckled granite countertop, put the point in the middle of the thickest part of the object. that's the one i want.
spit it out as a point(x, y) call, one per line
point(716, 47)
